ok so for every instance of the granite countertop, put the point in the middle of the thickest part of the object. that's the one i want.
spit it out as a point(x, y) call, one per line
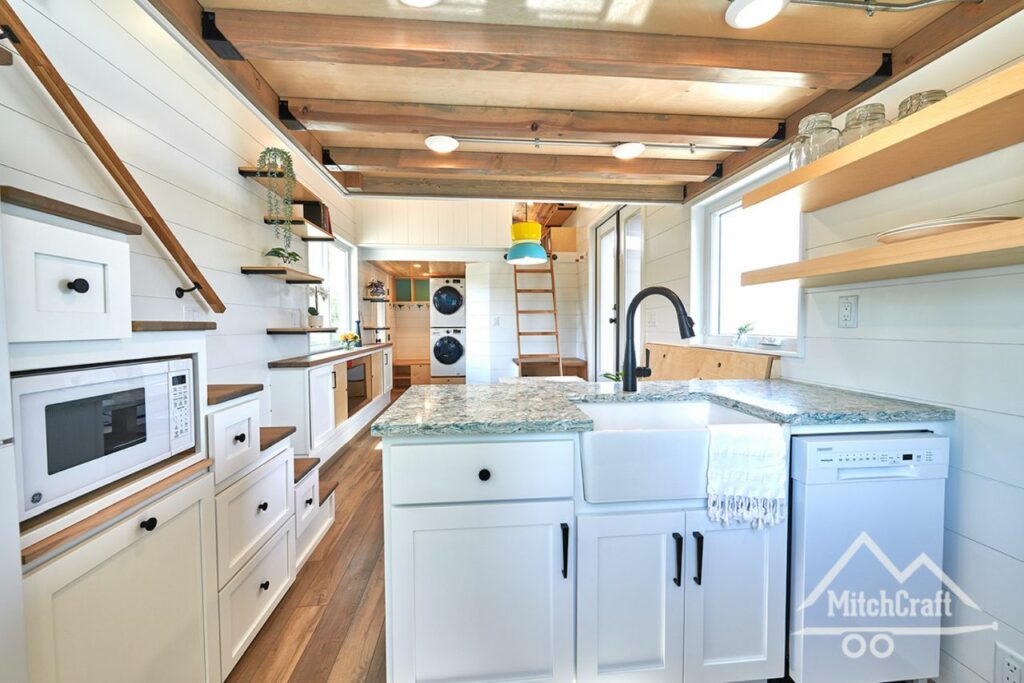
point(531, 405)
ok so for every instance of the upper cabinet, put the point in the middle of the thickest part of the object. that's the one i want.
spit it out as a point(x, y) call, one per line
point(62, 284)
point(410, 290)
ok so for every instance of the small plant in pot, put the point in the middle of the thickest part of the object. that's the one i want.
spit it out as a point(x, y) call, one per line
point(315, 319)
point(317, 294)
point(742, 334)
point(285, 256)
point(349, 340)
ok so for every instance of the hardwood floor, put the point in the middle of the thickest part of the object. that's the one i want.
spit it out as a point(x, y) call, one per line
point(330, 624)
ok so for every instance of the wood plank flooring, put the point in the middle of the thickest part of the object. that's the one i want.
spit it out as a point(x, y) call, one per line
point(330, 624)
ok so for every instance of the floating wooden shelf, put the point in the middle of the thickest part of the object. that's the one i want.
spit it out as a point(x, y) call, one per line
point(990, 246)
point(37, 202)
point(300, 193)
point(173, 325)
point(981, 118)
point(300, 330)
point(289, 275)
point(306, 230)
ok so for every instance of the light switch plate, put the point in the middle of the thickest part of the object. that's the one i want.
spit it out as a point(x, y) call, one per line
point(848, 311)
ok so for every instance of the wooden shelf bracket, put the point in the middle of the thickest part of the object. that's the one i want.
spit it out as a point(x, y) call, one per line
point(58, 89)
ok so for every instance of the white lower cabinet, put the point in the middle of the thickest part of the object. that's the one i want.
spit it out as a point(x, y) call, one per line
point(482, 592)
point(322, 380)
point(132, 604)
point(735, 610)
point(630, 598)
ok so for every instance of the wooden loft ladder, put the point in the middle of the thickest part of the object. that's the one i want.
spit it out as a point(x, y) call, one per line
point(58, 89)
point(552, 312)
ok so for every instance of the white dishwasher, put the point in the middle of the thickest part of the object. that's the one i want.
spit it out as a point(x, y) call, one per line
point(867, 522)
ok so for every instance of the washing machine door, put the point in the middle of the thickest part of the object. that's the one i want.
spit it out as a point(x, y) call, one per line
point(448, 350)
point(447, 300)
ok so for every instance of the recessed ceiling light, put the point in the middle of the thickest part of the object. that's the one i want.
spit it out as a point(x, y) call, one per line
point(419, 4)
point(442, 144)
point(751, 13)
point(628, 150)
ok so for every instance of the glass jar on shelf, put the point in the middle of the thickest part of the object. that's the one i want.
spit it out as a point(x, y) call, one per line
point(817, 137)
point(862, 121)
point(919, 101)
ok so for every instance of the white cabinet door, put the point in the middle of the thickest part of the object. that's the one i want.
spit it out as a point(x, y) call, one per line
point(629, 602)
point(735, 601)
point(482, 593)
point(389, 370)
point(132, 604)
point(321, 404)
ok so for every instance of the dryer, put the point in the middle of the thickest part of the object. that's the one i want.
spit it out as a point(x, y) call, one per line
point(447, 302)
point(447, 352)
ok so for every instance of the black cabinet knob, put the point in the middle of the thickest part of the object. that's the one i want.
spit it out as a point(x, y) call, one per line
point(262, 507)
point(265, 586)
point(79, 284)
point(240, 438)
point(484, 474)
point(309, 501)
point(148, 524)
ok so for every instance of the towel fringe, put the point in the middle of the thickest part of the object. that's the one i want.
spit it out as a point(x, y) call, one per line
point(758, 511)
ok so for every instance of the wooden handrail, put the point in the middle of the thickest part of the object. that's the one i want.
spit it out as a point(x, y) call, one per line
point(58, 89)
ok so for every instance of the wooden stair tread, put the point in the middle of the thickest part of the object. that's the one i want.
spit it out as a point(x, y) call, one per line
point(272, 435)
point(289, 275)
point(222, 393)
point(304, 466)
point(173, 325)
point(300, 330)
point(300, 193)
point(55, 207)
point(326, 490)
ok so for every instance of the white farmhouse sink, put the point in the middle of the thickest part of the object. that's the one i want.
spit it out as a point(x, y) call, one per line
point(650, 450)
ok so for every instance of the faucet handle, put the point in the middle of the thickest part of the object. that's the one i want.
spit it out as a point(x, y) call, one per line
point(645, 371)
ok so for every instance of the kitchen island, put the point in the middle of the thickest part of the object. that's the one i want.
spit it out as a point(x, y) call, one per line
point(559, 531)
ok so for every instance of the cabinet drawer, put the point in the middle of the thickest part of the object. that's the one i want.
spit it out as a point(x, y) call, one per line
point(510, 470)
point(307, 500)
point(250, 597)
point(250, 511)
point(64, 284)
point(234, 438)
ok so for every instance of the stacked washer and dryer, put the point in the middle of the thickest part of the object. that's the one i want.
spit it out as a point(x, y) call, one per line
point(447, 327)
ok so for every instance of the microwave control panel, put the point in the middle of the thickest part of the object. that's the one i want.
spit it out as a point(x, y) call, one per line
point(181, 410)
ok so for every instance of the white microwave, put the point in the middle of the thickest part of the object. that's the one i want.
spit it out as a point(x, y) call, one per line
point(78, 429)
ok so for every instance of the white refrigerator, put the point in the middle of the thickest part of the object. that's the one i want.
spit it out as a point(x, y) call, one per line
point(12, 617)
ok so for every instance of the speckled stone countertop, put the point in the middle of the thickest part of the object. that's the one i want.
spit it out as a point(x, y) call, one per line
point(529, 405)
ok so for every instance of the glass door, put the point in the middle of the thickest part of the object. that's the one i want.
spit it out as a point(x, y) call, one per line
point(607, 296)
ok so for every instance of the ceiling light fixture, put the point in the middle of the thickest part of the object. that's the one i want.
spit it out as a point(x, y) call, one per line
point(420, 4)
point(442, 144)
point(538, 143)
point(753, 13)
point(628, 150)
point(416, 265)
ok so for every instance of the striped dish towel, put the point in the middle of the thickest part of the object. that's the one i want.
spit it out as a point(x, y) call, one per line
point(748, 475)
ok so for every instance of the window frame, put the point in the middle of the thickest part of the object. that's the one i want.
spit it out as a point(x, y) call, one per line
point(329, 340)
point(704, 225)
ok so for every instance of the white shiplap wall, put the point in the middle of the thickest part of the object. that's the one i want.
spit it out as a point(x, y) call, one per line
point(183, 135)
point(425, 223)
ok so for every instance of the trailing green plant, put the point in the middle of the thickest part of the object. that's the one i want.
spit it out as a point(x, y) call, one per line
point(275, 164)
point(287, 257)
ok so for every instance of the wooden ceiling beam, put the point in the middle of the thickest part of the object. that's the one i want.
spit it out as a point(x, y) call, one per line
point(522, 123)
point(949, 31)
point(290, 36)
point(369, 160)
point(533, 191)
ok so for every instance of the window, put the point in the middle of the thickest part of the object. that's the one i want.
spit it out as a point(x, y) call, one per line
point(332, 262)
point(735, 240)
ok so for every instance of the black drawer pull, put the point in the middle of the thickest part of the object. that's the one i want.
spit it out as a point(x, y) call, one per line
point(240, 438)
point(565, 550)
point(79, 284)
point(262, 507)
point(484, 474)
point(678, 538)
point(265, 586)
point(148, 524)
point(309, 501)
point(700, 557)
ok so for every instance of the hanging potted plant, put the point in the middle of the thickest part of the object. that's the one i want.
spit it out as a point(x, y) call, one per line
point(376, 289)
point(275, 164)
point(284, 256)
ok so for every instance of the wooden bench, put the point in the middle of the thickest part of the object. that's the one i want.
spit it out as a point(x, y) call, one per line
point(542, 367)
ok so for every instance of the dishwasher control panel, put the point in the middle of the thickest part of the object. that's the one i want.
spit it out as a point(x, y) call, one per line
point(900, 453)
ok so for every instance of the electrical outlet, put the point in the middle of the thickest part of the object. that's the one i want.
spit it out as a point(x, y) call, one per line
point(1009, 665)
point(848, 311)
point(497, 321)
point(652, 319)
